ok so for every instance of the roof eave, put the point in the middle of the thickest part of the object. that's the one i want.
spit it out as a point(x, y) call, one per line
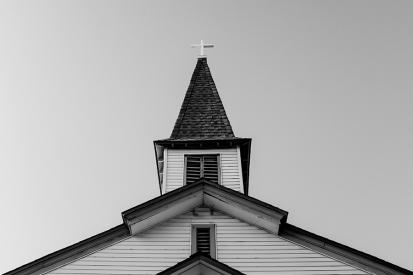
point(72, 252)
point(340, 251)
point(220, 142)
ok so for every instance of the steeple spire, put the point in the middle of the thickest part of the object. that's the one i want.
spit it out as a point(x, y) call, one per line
point(202, 114)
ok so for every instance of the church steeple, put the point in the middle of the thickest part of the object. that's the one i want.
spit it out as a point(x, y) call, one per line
point(202, 143)
point(202, 114)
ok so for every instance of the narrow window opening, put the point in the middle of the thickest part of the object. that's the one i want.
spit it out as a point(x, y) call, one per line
point(203, 239)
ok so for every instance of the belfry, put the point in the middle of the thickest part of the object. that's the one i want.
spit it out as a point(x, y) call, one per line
point(202, 143)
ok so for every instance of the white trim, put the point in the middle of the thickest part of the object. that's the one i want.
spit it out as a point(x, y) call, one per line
point(213, 238)
point(221, 179)
point(241, 183)
point(216, 239)
point(190, 236)
point(165, 170)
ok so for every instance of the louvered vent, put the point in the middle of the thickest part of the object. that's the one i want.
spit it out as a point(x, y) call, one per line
point(210, 168)
point(203, 240)
point(193, 168)
point(202, 166)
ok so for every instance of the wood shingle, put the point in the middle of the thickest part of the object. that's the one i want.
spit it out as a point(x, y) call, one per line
point(202, 114)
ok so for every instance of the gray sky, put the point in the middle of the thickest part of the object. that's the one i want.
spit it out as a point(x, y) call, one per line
point(324, 88)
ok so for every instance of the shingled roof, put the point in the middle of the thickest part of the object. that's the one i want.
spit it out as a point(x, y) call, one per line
point(202, 115)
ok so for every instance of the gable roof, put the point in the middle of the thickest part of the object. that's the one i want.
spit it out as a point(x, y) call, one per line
point(217, 197)
point(202, 115)
point(196, 262)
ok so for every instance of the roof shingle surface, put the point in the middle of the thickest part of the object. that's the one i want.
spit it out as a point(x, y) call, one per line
point(202, 114)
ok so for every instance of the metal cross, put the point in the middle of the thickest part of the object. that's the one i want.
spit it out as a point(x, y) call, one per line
point(202, 46)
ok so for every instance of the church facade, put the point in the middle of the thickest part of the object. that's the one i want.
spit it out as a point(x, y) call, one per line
point(204, 221)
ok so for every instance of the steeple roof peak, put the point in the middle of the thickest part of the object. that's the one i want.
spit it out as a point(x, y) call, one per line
point(202, 114)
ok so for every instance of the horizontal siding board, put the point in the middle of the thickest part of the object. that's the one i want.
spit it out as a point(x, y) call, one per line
point(239, 245)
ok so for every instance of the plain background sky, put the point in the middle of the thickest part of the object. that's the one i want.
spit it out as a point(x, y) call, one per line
point(324, 89)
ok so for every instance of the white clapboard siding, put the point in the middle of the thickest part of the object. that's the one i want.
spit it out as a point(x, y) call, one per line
point(230, 166)
point(242, 246)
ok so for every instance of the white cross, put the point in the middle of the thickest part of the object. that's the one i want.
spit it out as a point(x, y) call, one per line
point(202, 46)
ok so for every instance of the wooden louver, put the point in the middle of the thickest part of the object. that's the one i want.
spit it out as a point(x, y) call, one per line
point(203, 237)
point(202, 166)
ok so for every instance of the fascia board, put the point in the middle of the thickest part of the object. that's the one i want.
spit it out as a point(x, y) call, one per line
point(247, 203)
point(179, 201)
point(166, 199)
point(237, 209)
point(165, 212)
point(242, 212)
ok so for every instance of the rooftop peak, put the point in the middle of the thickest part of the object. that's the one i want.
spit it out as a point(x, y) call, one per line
point(202, 114)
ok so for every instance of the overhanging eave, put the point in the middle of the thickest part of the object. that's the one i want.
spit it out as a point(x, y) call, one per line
point(204, 193)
